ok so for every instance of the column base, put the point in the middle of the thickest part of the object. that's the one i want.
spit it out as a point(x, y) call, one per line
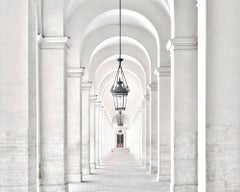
point(75, 178)
point(183, 188)
point(54, 188)
point(163, 178)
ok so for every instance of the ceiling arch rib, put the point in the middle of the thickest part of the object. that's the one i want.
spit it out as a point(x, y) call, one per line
point(71, 6)
point(110, 48)
point(107, 67)
point(96, 38)
point(129, 17)
point(115, 41)
point(156, 11)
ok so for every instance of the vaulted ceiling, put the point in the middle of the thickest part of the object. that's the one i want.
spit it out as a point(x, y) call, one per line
point(93, 26)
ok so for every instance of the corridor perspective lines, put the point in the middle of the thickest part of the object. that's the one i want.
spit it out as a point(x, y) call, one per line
point(120, 173)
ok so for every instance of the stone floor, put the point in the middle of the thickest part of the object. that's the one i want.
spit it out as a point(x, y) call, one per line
point(120, 173)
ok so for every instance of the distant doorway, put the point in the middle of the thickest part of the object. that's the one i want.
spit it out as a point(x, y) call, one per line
point(120, 140)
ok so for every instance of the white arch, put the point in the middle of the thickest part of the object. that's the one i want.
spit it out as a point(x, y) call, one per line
point(115, 40)
point(128, 17)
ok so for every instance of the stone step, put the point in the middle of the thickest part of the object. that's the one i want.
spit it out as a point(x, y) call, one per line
point(120, 150)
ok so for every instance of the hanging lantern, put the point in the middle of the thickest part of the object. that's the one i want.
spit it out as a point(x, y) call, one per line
point(120, 88)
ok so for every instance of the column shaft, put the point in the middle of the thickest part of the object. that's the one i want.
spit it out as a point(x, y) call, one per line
point(153, 129)
point(164, 124)
point(184, 84)
point(86, 86)
point(92, 132)
point(143, 133)
point(223, 96)
point(18, 96)
point(97, 127)
point(148, 141)
point(53, 113)
point(74, 133)
point(184, 114)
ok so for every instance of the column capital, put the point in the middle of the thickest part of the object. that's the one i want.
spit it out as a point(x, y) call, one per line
point(98, 104)
point(75, 71)
point(182, 43)
point(93, 98)
point(153, 86)
point(163, 71)
point(87, 85)
point(54, 43)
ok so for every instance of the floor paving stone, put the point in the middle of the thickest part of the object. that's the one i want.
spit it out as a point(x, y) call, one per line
point(120, 172)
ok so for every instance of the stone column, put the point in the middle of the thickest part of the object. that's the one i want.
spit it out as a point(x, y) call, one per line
point(183, 47)
point(18, 123)
point(153, 127)
point(92, 132)
point(97, 128)
point(140, 135)
point(74, 128)
point(86, 87)
point(184, 115)
point(148, 141)
point(164, 123)
point(202, 95)
point(104, 138)
point(143, 133)
point(53, 113)
point(53, 98)
point(101, 136)
point(223, 96)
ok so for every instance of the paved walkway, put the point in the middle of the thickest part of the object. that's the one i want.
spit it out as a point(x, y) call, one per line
point(120, 173)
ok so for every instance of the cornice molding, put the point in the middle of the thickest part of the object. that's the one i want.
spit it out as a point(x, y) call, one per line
point(163, 71)
point(54, 43)
point(153, 86)
point(182, 43)
point(75, 71)
point(86, 85)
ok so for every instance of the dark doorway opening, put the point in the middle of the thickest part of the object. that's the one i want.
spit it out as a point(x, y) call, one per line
point(120, 140)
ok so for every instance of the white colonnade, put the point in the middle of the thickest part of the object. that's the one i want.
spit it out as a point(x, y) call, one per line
point(53, 127)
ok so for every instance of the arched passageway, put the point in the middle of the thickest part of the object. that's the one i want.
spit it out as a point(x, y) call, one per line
point(58, 127)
